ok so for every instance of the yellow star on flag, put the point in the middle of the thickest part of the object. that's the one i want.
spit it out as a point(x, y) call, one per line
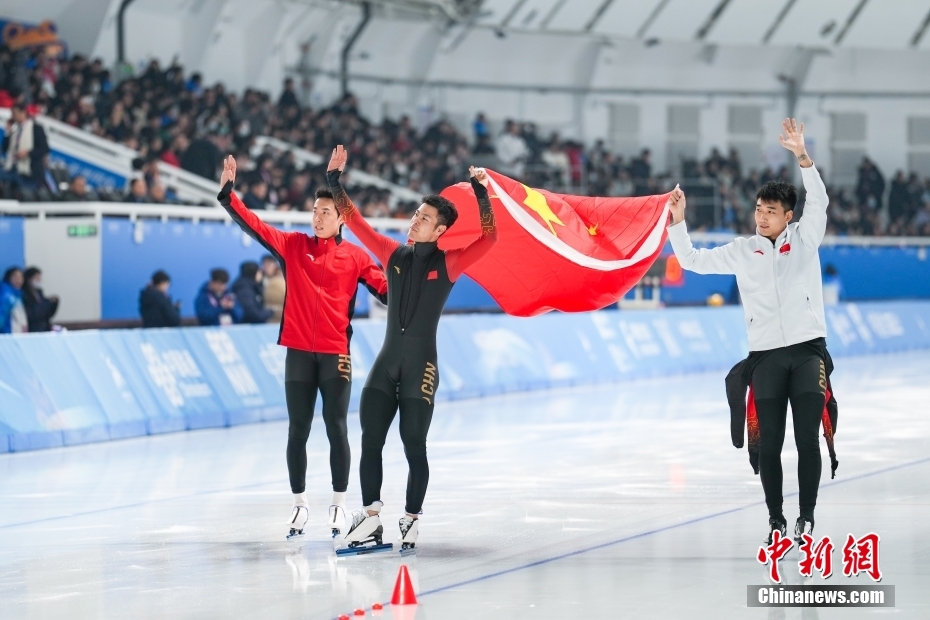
point(537, 202)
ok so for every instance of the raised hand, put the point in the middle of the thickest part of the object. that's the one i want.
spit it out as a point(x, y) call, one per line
point(793, 140)
point(229, 171)
point(480, 175)
point(676, 205)
point(338, 159)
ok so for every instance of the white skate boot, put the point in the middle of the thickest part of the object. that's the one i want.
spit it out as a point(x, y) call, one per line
point(337, 518)
point(298, 520)
point(409, 528)
point(365, 533)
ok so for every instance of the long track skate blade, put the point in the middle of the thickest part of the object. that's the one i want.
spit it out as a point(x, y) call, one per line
point(408, 551)
point(364, 550)
point(294, 536)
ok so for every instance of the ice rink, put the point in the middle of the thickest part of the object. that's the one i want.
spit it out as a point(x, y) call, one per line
point(623, 500)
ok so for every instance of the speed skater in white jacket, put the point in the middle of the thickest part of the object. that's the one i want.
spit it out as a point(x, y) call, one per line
point(778, 274)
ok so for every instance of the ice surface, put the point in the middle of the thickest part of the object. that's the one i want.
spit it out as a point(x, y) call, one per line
point(622, 500)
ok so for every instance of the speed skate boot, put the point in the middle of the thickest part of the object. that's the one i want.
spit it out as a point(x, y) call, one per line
point(365, 533)
point(409, 528)
point(803, 526)
point(298, 520)
point(776, 523)
point(337, 518)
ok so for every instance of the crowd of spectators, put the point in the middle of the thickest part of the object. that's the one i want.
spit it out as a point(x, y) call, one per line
point(168, 116)
point(24, 307)
point(256, 296)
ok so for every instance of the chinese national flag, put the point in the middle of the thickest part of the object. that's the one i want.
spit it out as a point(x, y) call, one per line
point(555, 251)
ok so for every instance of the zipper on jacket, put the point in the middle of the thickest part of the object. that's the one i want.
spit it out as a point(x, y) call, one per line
point(319, 294)
point(781, 323)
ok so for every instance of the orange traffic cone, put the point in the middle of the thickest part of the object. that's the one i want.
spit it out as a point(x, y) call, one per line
point(403, 588)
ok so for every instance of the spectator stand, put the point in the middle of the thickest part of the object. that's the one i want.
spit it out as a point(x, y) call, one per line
point(108, 165)
point(263, 144)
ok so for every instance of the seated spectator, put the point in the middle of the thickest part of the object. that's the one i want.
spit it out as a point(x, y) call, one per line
point(78, 191)
point(512, 150)
point(155, 305)
point(557, 160)
point(13, 318)
point(158, 194)
point(175, 152)
point(216, 306)
point(255, 198)
point(250, 294)
point(39, 308)
point(203, 156)
point(138, 191)
point(274, 287)
point(483, 146)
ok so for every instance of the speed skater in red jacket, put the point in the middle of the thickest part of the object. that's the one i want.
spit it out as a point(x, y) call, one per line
point(322, 274)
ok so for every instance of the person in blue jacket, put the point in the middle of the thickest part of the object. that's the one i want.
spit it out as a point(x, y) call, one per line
point(215, 305)
point(12, 313)
point(250, 293)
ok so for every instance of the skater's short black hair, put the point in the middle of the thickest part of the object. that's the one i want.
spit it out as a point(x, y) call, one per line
point(447, 212)
point(781, 192)
point(323, 192)
point(160, 277)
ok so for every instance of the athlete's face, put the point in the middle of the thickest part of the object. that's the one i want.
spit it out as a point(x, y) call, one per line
point(326, 220)
point(425, 226)
point(772, 218)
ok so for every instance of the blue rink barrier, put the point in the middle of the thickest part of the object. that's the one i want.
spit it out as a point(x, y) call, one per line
point(72, 388)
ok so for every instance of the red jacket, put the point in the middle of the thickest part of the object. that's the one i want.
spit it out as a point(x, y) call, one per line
point(322, 277)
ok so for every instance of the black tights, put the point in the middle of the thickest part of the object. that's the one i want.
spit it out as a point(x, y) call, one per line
point(794, 374)
point(377, 412)
point(305, 374)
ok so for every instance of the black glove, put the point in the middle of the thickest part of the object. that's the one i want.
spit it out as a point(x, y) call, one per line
point(225, 193)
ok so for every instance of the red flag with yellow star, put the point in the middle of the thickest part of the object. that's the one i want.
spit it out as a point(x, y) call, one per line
point(556, 251)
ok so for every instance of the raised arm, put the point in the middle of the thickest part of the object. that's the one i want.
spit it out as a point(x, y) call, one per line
point(270, 237)
point(381, 246)
point(813, 224)
point(721, 259)
point(457, 261)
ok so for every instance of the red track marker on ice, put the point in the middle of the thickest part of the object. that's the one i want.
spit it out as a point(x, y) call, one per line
point(403, 588)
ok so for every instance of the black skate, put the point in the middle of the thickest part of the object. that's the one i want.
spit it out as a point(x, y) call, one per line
point(777, 524)
point(409, 529)
point(803, 526)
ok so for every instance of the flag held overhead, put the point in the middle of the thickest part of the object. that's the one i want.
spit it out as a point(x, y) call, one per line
point(557, 251)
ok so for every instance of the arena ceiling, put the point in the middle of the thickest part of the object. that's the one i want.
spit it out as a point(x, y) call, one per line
point(887, 24)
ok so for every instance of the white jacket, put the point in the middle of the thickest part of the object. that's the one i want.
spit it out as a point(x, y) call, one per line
point(780, 285)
